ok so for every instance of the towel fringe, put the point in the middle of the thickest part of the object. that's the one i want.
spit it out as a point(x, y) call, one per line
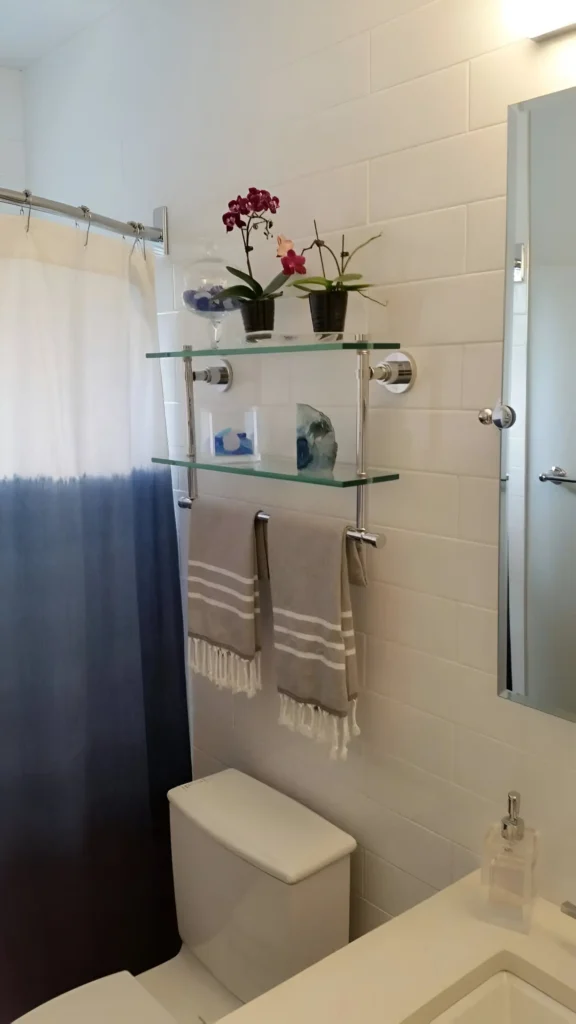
point(317, 724)
point(226, 669)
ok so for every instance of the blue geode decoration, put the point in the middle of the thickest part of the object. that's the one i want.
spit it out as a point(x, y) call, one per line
point(232, 442)
point(205, 301)
point(316, 446)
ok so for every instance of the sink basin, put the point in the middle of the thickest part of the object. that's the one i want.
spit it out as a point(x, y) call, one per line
point(505, 999)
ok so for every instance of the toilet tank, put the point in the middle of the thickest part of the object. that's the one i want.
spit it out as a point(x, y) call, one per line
point(262, 883)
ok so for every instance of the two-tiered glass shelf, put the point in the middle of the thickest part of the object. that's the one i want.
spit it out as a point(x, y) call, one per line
point(396, 374)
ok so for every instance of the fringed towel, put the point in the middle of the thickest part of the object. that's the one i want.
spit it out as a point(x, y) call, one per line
point(223, 595)
point(311, 566)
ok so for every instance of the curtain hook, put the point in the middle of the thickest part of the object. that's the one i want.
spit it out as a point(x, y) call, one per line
point(138, 231)
point(87, 213)
point(28, 196)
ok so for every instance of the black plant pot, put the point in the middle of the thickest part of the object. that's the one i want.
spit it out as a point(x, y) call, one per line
point(258, 315)
point(328, 309)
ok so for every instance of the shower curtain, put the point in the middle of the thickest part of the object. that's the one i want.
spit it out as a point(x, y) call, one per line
point(93, 718)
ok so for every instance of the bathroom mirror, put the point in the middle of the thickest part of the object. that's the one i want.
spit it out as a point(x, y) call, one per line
point(537, 634)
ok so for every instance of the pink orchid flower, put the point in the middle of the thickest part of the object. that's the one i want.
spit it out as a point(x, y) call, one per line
point(284, 245)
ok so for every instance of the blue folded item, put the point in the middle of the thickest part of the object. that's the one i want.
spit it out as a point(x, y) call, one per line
point(232, 442)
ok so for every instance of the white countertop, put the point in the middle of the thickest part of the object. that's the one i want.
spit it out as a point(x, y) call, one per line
point(419, 964)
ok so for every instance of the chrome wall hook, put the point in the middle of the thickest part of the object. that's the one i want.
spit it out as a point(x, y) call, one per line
point(87, 213)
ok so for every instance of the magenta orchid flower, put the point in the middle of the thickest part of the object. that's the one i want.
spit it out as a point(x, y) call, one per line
point(292, 263)
point(251, 213)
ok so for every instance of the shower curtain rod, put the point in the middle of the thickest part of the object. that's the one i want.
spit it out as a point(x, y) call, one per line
point(157, 234)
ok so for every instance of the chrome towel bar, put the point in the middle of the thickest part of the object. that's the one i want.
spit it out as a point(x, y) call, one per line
point(353, 533)
point(557, 475)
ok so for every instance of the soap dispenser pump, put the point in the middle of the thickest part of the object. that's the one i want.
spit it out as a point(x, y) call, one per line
point(508, 868)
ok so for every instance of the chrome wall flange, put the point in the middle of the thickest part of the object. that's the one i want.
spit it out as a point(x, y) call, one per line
point(502, 416)
point(397, 374)
point(221, 376)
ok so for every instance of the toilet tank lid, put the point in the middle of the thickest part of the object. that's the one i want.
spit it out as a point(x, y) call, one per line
point(264, 827)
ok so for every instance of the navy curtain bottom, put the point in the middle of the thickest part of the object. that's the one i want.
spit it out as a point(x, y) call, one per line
point(93, 731)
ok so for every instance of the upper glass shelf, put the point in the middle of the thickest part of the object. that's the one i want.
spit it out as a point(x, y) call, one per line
point(267, 343)
point(281, 468)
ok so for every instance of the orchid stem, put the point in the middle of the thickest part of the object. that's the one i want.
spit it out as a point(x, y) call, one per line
point(246, 239)
point(318, 239)
point(334, 257)
point(358, 247)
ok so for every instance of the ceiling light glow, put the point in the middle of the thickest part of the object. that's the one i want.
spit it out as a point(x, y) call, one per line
point(540, 18)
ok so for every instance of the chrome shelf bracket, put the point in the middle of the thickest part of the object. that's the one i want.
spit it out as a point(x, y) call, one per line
point(220, 377)
point(397, 374)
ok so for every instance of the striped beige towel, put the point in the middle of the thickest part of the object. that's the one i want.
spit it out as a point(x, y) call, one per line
point(311, 567)
point(223, 595)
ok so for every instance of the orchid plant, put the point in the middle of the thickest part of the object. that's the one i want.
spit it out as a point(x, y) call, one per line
point(249, 214)
point(343, 281)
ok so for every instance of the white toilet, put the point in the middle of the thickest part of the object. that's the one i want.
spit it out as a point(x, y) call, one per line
point(262, 890)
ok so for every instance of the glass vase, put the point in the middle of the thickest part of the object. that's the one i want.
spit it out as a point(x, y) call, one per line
point(204, 279)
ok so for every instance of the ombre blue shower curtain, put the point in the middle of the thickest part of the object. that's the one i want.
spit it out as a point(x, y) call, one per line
point(93, 718)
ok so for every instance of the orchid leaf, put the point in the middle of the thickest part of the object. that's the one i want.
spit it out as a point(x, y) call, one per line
point(349, 277)
point(237, 291)
point(357, 287)
point(306, 287)
point(324, 281)
point(250, 281)
point(279, 280)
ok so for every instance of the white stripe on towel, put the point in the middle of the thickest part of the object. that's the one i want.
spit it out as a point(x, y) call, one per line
point(310, 657)
point(308, 618)
point(219, 586)
point(309, 636)
point(193, 596)
point(223, 572)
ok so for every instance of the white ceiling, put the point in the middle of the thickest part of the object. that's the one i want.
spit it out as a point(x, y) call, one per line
point(31, 28)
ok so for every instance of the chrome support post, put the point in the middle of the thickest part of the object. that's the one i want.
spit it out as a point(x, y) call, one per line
point(362, 388)
point(192, 473)
point(220, 377)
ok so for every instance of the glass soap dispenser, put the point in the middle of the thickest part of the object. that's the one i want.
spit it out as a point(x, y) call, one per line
point(508, 868)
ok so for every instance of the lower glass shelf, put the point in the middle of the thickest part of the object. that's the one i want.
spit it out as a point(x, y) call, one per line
point(278, 468)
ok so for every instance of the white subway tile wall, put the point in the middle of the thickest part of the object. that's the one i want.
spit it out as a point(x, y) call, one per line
point(12, 164)
point(382, 115)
